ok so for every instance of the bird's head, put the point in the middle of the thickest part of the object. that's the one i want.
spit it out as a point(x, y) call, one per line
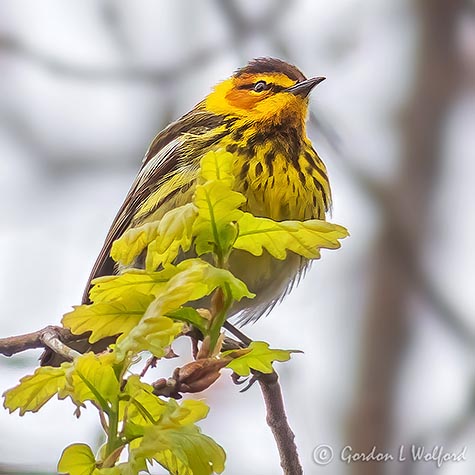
point(267, 89)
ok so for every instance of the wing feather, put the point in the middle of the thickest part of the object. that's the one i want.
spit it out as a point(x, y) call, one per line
point(164, 157)
point(149, 175)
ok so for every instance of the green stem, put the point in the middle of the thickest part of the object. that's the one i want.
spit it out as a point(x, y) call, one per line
point(214, 229)
point(220, 316)
point(113, 441)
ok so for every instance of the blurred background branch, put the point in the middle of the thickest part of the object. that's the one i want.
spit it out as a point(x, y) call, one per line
point(154, 76)
point(396, 270)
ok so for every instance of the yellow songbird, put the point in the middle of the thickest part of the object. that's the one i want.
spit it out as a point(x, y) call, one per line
point(259, 115)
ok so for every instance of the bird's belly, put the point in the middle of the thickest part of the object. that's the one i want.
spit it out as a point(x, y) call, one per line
point(269, 278)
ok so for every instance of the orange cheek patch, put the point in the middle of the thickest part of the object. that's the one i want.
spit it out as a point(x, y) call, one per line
point(242, 99)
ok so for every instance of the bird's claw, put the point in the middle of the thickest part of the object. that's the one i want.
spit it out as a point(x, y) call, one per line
point(237, 379)
point(256, 376)
point(250, 382)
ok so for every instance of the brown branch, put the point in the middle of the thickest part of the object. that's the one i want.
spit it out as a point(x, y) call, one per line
point(195, 376)
point(52, 337)
point(277, 421)
point(198, 375)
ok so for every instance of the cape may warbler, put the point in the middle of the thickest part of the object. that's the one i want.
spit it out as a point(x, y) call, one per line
point(259, 115)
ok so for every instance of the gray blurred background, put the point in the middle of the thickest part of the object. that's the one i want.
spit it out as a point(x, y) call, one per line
point(386, 323)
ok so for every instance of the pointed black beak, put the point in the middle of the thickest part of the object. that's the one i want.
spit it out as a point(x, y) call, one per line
point(303, 88)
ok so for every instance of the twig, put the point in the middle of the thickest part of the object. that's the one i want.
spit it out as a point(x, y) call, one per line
point(193, 377)
point(277, 421)
point(237, 333)
point(49, 337)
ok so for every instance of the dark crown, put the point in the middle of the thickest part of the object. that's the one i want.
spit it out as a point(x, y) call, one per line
point(271, 65)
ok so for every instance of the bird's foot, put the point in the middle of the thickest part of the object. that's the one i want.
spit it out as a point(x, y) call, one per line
point(266, 378)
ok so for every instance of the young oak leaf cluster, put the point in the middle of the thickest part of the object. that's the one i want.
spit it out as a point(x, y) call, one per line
point(134, 305)
point(150, 428)
point(277, 237)
point(146, 309)
point(35, 390)
point(166, 432)
point(197, 280)
point(213, 223)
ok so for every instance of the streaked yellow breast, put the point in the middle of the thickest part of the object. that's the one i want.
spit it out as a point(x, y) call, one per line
point(281, 176)
point(281, 183)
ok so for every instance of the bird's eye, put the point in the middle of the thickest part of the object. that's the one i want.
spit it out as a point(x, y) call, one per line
point(260, 86)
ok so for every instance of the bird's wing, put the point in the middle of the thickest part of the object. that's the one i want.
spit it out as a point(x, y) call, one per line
point(149, 174)
point(161, 160)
